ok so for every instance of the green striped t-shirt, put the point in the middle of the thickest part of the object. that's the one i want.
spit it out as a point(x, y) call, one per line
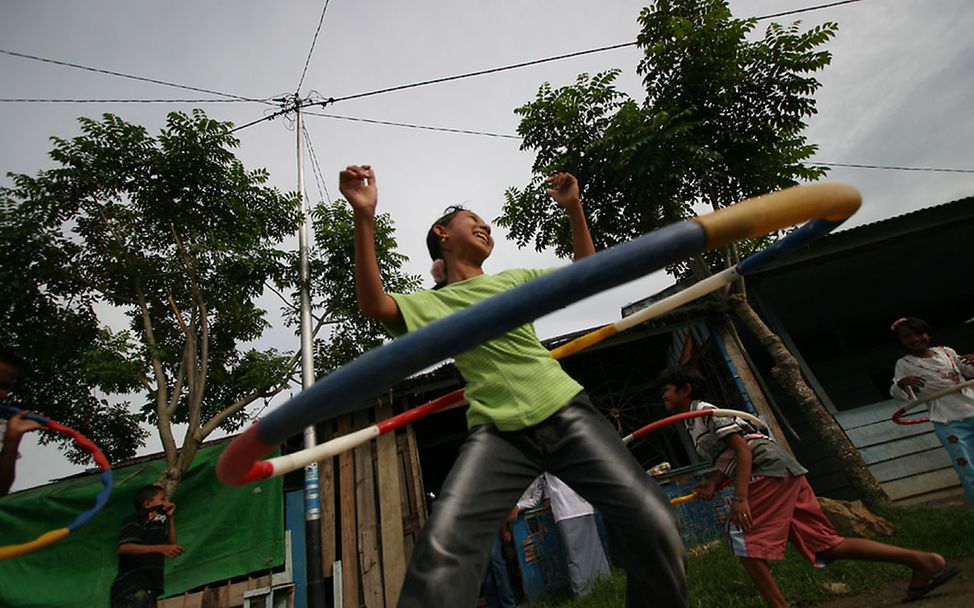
point(512, 381)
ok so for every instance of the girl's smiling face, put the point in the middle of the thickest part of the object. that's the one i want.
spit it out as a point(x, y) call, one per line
point(467, 232)
point(915, 342)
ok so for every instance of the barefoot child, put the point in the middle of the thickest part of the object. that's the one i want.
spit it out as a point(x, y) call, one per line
point(928, 369)
point(526, 416)
point(773, 502)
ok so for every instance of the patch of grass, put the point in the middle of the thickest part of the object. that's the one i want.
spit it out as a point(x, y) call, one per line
point(717, 579)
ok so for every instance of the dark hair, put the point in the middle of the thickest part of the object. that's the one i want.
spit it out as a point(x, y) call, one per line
point(11, 357)
point(918, 325)
point(681, 376)
point(147, 493)
point(433, 241)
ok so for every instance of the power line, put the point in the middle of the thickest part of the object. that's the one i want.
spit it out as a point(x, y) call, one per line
point(506, 136)
point(312, 49)
point(316, 167)
point(524, 64)
point(806, 9)
point(892, 167)
point(307, 62)
point(129, 76)
point(36, 100)
point(260, 120)
point(414, 126)
point(478, 73)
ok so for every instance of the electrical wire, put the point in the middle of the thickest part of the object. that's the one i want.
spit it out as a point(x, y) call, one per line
point(260, 120)
point(307, 62)
point(478, 73)
point(316, 168)
point(312, 49)
point(35, 100)
point(331, 100)
point(129, 76)
point(524, 64)
point(414, 126)
point(806, 10)
point(892, 167)
point(506, 136)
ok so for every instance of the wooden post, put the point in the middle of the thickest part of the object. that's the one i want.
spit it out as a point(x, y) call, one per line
point(415, 475)
point(752, 387)
point(346, 481)
point(368, 540)
point(390, 512)
point(326, 486)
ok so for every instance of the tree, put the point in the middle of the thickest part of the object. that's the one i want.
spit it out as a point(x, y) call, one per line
point(173, 235)
point(723, 119)
point(333, 284)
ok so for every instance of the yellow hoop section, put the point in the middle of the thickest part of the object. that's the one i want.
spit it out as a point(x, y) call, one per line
point(772, 212)
point(679, 500)
point(43, 540)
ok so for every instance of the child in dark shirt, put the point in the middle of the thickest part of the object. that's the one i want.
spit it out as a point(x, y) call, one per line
point(148, 536)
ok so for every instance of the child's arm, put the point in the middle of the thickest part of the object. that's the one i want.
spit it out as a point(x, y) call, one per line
point(170, 509)
point(903, 379)
point(16, 427)
point(170, 551)
point(357, 184)
point(707, 488)
point(740, 510)
point(965, 363)
point(564, 189)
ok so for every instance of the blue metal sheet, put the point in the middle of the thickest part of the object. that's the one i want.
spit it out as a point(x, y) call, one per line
point(294, 523)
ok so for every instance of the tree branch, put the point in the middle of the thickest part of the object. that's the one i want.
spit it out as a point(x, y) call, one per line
point(321, 321)
point(241, 403)
point(162, 398)
point(178, 314)
point(199, 368)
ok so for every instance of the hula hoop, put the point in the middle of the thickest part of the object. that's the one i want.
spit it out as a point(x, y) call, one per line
point(55, 535)
point(374, 372)
point(274, 467)
point(679, 500)
point(723, 413)
point(898, 414)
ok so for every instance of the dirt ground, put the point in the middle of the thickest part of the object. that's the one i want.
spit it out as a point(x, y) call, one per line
point(957, 593)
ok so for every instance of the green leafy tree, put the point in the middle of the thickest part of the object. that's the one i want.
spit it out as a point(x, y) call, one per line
point(723, 119)
point(173, 238)
point(350, 333)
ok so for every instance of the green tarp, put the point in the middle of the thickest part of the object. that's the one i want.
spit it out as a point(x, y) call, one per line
point(226, 532)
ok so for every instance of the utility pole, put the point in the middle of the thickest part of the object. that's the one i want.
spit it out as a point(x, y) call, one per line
point(312, 491)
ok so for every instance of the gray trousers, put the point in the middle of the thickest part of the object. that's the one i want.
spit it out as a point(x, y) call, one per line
point(492, 471)
point(583, 551)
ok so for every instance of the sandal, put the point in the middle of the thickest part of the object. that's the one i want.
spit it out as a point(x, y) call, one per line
point(915, 593)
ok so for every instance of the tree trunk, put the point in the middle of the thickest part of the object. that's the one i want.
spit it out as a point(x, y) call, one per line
point(787, 374)
point(169, 478)
point(172, 475)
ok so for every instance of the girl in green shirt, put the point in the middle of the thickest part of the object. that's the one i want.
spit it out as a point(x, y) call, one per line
point(526, 416)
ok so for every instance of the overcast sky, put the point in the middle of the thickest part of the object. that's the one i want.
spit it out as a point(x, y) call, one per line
point(898, 92)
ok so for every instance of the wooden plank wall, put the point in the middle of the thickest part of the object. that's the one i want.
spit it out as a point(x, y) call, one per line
point(907, 460)
point(381, 509)
point(371, 524)
point(219, 595)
